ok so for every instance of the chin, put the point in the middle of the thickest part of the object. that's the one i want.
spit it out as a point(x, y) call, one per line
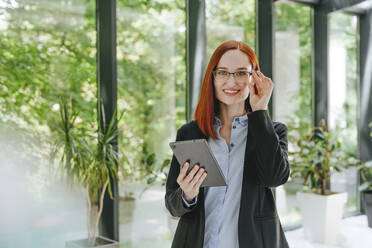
point(231, 102)
point(228, 100)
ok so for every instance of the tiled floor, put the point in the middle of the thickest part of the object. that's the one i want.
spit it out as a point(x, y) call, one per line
point(59, 216)
point(149, 229)
point(354, 233)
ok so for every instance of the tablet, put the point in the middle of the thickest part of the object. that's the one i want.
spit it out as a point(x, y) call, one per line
point(198, 151)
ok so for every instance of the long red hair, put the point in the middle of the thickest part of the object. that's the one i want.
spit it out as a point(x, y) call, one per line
point(208, 105)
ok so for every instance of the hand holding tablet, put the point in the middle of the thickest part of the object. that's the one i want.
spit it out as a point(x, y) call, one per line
point(190, 183)
point(198, 152)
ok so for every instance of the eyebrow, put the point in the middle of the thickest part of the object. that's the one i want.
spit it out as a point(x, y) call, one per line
point(240, 68)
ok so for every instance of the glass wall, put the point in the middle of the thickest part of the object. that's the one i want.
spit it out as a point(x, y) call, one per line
point(343, 98)
point(151, 91)
point(47, 50)
point(292, 96)
point(232, 20)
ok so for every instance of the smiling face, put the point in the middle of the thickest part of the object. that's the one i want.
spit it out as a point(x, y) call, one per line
point(229, 90)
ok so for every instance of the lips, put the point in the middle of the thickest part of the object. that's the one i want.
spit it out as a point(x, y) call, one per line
point(231, 92)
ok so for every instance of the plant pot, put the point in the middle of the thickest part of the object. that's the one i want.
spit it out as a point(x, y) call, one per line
point(367, 199)
point(100, 242)
point(321, 215)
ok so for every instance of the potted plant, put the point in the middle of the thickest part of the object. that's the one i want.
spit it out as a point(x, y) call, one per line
point(366, 189)
point(88, 158)
point(320, 154)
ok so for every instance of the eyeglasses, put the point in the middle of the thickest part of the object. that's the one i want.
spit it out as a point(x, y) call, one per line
point(239, 76)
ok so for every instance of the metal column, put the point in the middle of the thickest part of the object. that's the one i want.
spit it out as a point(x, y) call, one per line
point(195, 53)
point(264, 39)
point(365, 87)
point(320, 65)
point(107, 92)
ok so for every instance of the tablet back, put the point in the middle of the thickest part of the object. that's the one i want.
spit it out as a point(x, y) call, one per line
point(198, 151)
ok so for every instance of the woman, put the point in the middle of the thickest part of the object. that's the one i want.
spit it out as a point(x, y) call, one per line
point(250, 149)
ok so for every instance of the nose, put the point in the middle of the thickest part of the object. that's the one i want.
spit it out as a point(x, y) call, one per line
point(231, 79)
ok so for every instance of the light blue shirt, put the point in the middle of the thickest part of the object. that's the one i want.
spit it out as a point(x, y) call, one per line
point(222, 204)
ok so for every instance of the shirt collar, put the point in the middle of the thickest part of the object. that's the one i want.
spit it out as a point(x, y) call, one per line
point(239, 121)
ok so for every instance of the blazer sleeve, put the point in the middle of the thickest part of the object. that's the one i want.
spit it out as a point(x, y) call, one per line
point(271, 152)
point(173, 195)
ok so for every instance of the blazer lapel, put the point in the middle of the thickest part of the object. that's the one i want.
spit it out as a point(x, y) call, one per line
point(249, 148)
point(249, 160)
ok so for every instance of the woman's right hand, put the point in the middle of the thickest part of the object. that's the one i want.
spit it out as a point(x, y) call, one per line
point(191, 182)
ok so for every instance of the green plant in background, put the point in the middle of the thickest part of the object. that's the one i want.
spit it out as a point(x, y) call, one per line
point(157, 171)
point(366, 172)
point(366, 175)
point(68, 143)
point(320, 153)
point(87, 157)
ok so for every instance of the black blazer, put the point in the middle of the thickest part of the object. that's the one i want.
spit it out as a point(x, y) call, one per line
point(265, 166)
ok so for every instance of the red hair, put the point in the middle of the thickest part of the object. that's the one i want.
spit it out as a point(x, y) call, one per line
point(208, 105)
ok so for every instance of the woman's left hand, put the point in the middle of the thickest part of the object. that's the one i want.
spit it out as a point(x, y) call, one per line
point(260, 90)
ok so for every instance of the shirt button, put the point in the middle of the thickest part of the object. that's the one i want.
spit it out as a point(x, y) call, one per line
point(234, 127)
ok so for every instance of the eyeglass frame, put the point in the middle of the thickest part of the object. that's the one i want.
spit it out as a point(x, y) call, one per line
point(233, 73)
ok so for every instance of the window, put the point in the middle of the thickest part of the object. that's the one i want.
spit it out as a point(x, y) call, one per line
point(292, 96)
point(343, 98)
point(232, 20)
point(151, 55)
point(47, 49)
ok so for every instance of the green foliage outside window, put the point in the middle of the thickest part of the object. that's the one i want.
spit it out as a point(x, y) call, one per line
point(48, 48)
point(366, 172)
point(46, 52)
point(227, 19)
point(299, 18)
point(151, 55)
